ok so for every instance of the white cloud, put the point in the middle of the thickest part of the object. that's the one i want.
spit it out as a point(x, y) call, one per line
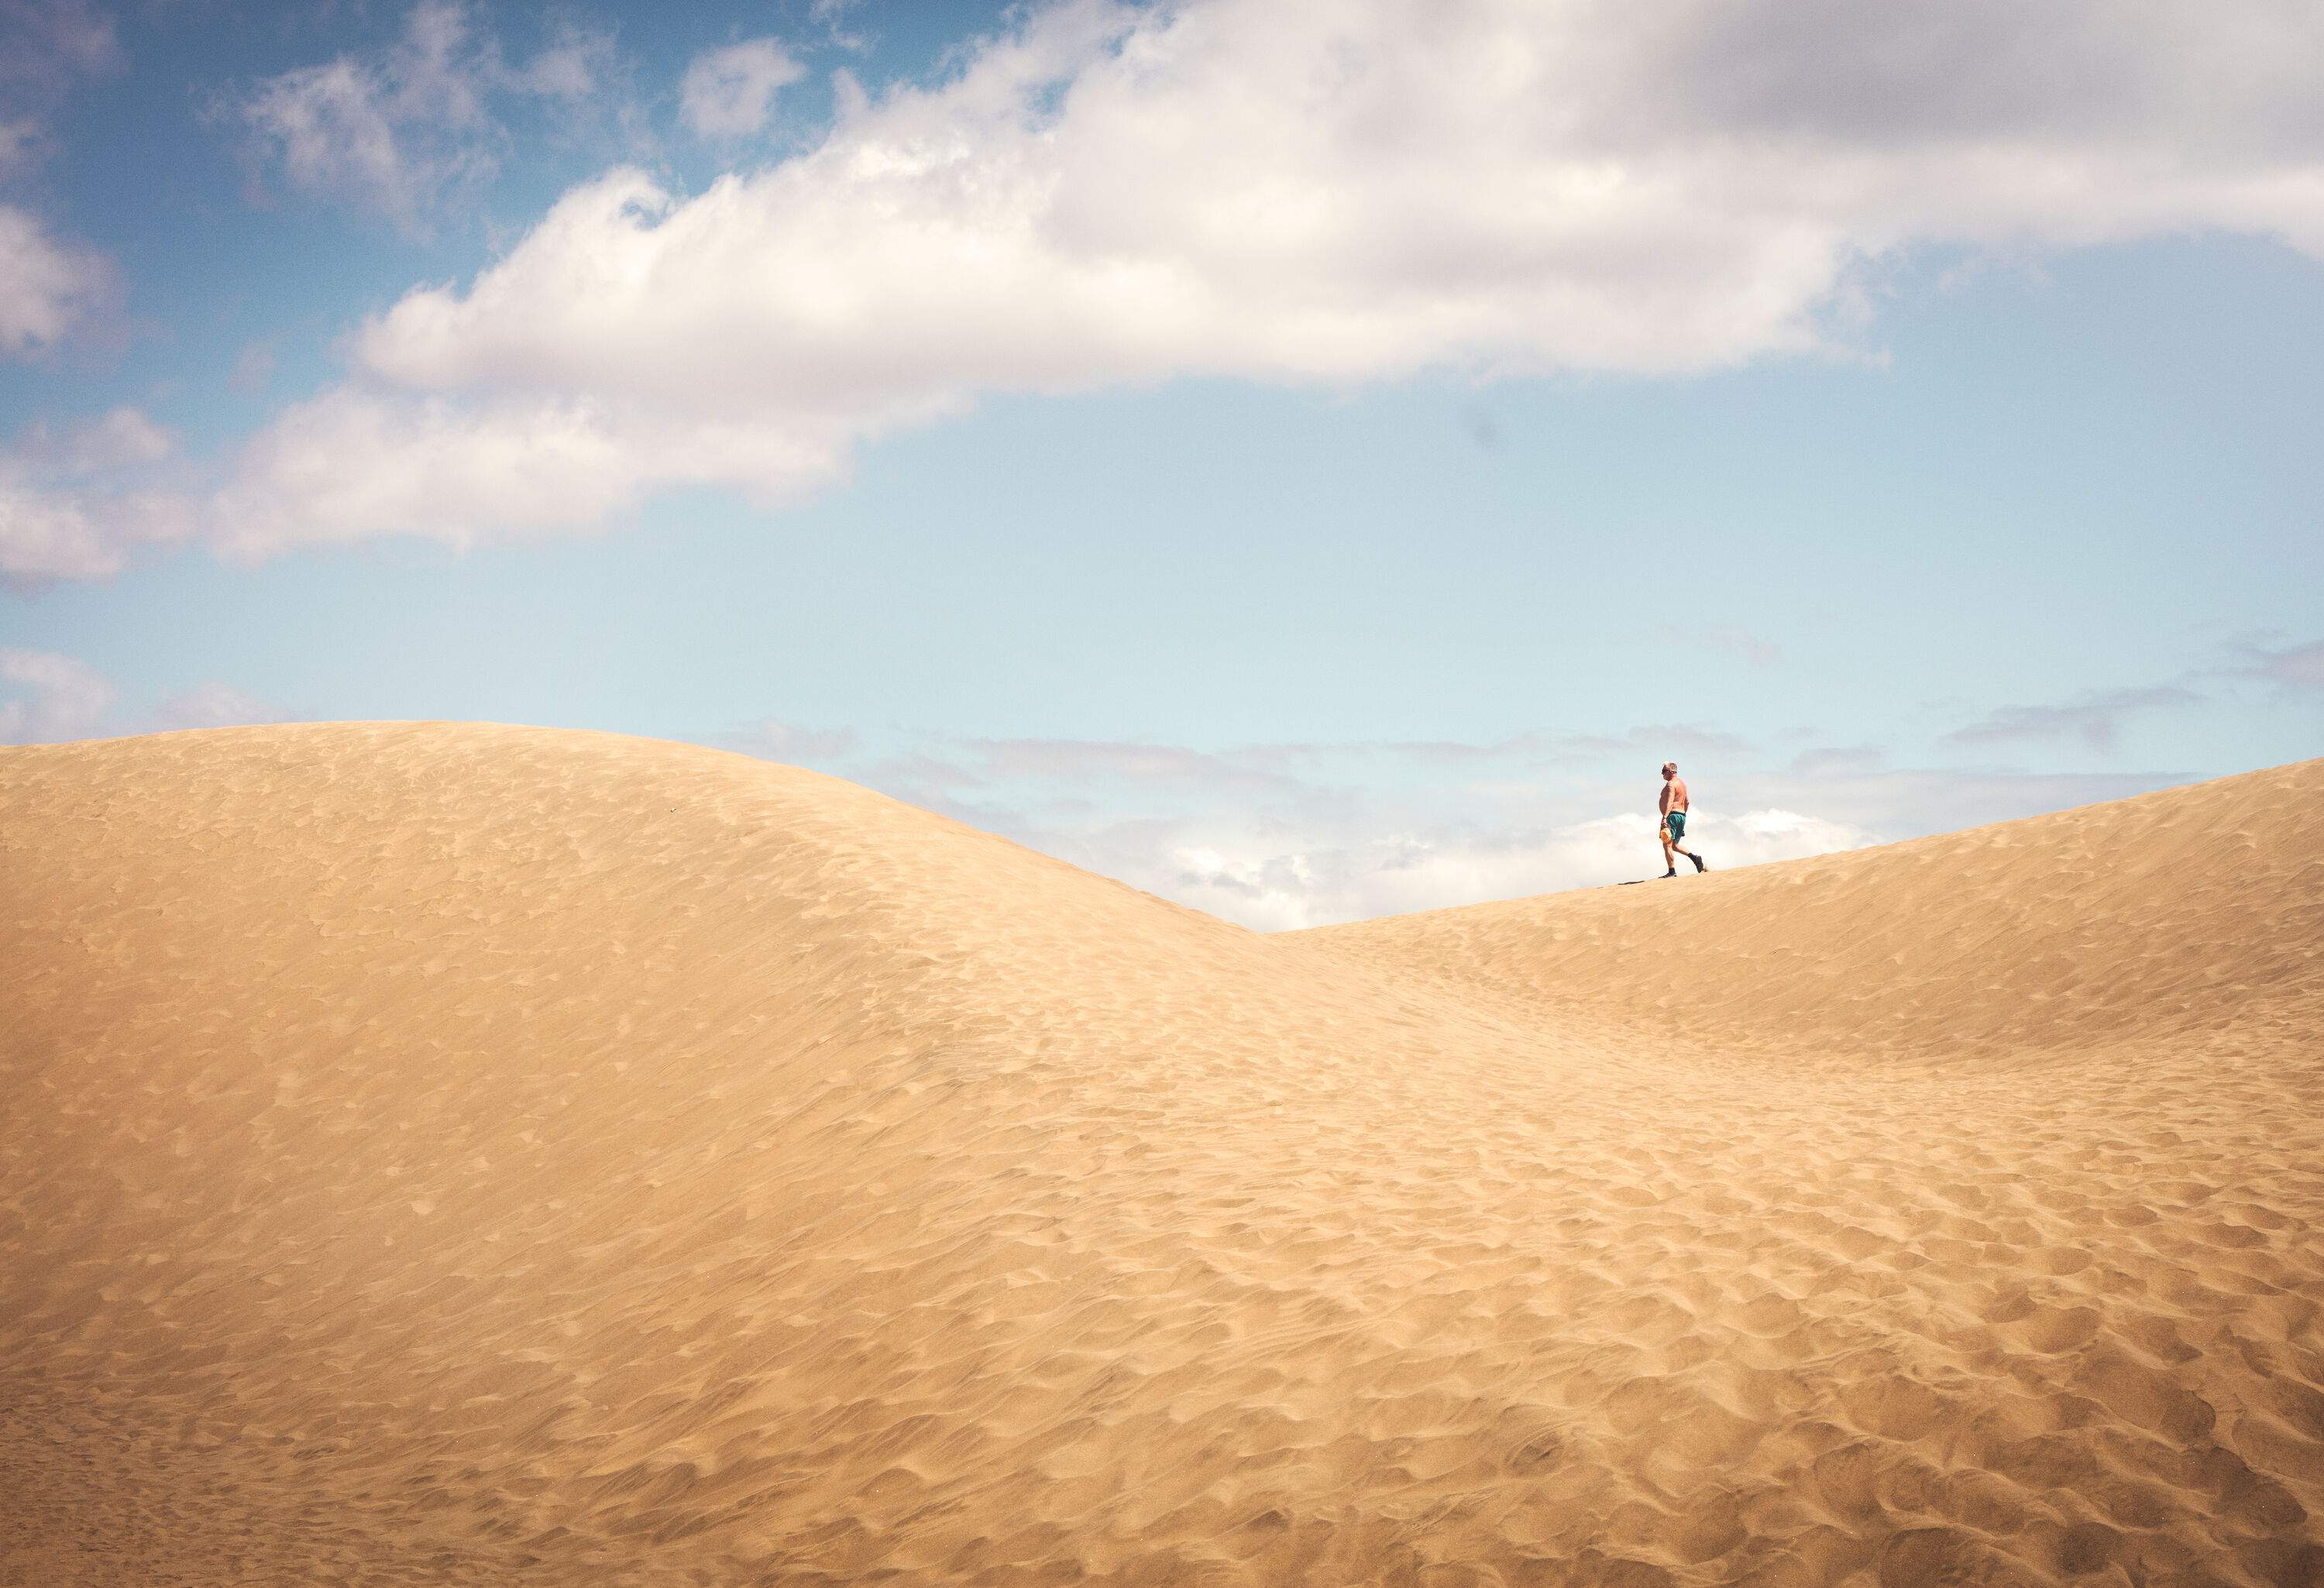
point(51, 290)
point(352, 462)
point(1274, 887)
point(46, 536)
point(48, 288)
point(402, 132)
point(729, 93)
point(46, 47)
point(75, 502)
point(1355, 830)
point(44, 43)
point(392, 134)
point(18, 140)
point(832, 16)
point(1281, 835)
point(46, 698)
point(1330, 194)
point(254, 368)
point(124, 438)
point(573, 67)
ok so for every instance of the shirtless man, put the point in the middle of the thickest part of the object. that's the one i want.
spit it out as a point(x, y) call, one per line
point(1674, 828)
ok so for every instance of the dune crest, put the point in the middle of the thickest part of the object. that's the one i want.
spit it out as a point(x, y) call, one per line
point(2164, 917)
point(452, 1153)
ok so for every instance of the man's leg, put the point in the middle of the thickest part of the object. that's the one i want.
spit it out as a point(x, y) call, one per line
point(1671, 845)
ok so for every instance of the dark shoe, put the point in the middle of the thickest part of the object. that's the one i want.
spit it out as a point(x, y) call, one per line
point(1698, 866)
point(1672, 872)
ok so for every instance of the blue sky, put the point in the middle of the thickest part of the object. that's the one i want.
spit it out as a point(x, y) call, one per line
point(1306, 461)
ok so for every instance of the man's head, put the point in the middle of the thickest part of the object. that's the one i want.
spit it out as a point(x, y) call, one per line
point(1670, 770)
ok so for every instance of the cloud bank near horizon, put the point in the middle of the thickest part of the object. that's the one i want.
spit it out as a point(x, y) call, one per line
point(50, 698)
point(1277, 837)
point(1110, 194)
point(1282, 836)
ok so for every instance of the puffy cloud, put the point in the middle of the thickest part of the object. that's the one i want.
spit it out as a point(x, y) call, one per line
point(831, 15)
point(51, 288)
point(121, 438)
point(394, 134)
point(48, 288)
point(400, 132)
point(352, 462)
point(575, 64)
point(48, 535)
point(17, 140)
point(75, 502)
point(46, 698)
point(46, 47)
point(1331, 194)
point(1273, 887)
point(44, 44)
point(729, 93)
point(1355, 192)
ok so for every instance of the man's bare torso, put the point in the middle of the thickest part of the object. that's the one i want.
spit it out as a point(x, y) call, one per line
point(1673, 795)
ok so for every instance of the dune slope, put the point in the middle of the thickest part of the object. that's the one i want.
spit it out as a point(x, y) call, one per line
point(446, 1154)
point(2169, 915)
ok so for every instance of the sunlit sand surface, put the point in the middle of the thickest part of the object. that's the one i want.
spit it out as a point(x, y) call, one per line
point(455, 1154)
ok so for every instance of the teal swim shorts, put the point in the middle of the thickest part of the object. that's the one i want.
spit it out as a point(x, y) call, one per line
point(1676, 822)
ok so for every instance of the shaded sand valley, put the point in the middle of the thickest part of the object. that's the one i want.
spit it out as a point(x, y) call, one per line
point(465, 1154)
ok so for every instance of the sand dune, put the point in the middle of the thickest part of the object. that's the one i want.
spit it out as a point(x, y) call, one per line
point(2191, 911)
point(444, 1154)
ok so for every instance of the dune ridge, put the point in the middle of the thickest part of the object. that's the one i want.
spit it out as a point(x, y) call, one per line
point(452, 1153)
point(2067, 931)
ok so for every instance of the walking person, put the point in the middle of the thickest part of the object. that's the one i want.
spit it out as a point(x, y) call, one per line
point(1674, 828)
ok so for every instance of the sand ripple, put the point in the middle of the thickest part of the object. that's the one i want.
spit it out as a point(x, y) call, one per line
point(449, 1154)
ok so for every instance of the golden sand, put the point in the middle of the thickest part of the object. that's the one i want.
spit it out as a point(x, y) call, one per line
point(458, 1154)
